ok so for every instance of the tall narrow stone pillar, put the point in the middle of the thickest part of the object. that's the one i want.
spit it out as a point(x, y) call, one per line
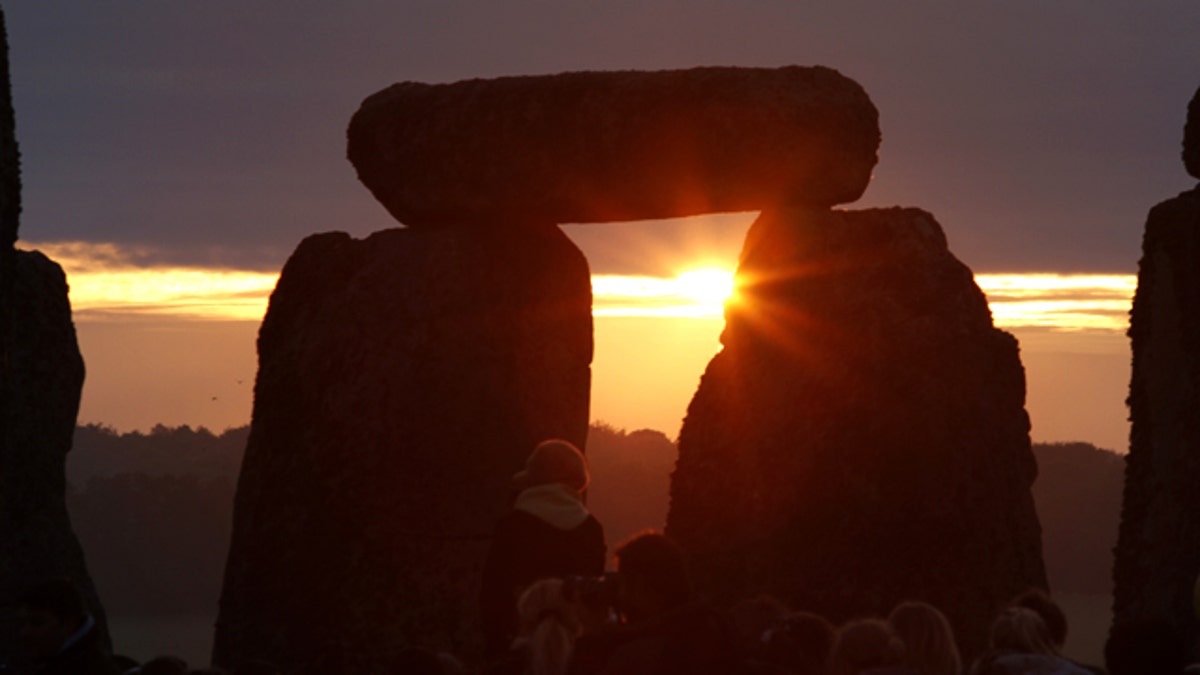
point(862, 437)
point(41, 379)
point(402, 380)
point(1158, 547)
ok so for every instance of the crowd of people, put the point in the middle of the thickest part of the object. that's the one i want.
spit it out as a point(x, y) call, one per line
point(548, 611)
point(58, 636)
point(567, 627)
point(548, 608)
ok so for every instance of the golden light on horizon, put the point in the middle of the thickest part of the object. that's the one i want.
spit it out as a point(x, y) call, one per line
point(1060, 302)
point(186, 293)
point(106, 284)
point(697, 293)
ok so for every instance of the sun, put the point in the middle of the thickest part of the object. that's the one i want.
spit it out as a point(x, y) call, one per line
point(708, 286)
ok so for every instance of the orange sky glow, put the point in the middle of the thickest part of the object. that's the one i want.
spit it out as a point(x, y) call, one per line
point(105, 287)
point(176, 345)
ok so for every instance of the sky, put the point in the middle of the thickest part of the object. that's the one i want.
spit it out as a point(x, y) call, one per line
point(207, 137)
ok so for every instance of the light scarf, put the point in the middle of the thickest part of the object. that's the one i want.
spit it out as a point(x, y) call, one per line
point(553, 503)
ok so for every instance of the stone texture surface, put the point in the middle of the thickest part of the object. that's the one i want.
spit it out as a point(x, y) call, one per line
point(10, 157)
point(41, 378)
point(1191, 137)
point(1158, 546)
point(861, 439)
point(402, 380)
point(39, 398)
point(613, 146)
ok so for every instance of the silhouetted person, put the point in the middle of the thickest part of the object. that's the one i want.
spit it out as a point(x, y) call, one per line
point(1055, 619)
point(548, 533)
point(665, 630)
point(550, 624)
point(801, 644)
point(1020, 643)
point(58, 635)
point(754, 621)
point(929, 644)
point(867, 646)
point(1052, 615)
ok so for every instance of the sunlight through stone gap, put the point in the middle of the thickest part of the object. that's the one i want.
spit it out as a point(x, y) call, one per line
point(106, 284)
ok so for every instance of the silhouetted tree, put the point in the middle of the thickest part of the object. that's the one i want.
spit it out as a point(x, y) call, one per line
point(1078, 497)
point(100, 450)
point(153, 513)
point(631, 477)
point(154, 510)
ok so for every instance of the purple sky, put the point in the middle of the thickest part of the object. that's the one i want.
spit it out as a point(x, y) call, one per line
point(1038, 133)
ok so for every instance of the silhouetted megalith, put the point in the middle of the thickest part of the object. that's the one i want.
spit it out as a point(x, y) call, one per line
point(1158, 547)
point(41, 378)
point(402, 380)
point(611, 146)
point(10, 155)
point(861, 439)
point(1191, 137)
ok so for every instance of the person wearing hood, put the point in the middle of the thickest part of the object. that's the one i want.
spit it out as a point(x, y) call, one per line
point(548, 533)
point(58, 635)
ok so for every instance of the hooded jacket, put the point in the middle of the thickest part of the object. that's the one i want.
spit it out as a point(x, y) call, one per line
point(548, 533)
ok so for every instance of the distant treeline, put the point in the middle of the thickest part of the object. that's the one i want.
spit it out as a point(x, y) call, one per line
point(1078, 496)
point(101, 451)
point(154, 511)
point(631, 479)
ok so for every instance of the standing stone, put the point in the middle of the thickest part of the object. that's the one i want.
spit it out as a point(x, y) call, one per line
point(42, 382)
point(10, 156)
point(612, 146)
point(402, 380)
point(41, 379)
point(861, 439)
point(1158, 546)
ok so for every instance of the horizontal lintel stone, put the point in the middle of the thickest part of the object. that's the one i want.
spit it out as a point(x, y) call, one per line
point(615, 146)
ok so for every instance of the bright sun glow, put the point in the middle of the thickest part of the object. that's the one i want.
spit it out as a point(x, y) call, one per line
point(180, 292)
point(700, 293)
point(707, 286)
point(107, 284)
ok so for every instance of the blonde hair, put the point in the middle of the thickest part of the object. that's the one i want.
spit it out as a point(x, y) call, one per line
point(550, 624)
point(929, 646)
point(1019, 629)
point(862, 645)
